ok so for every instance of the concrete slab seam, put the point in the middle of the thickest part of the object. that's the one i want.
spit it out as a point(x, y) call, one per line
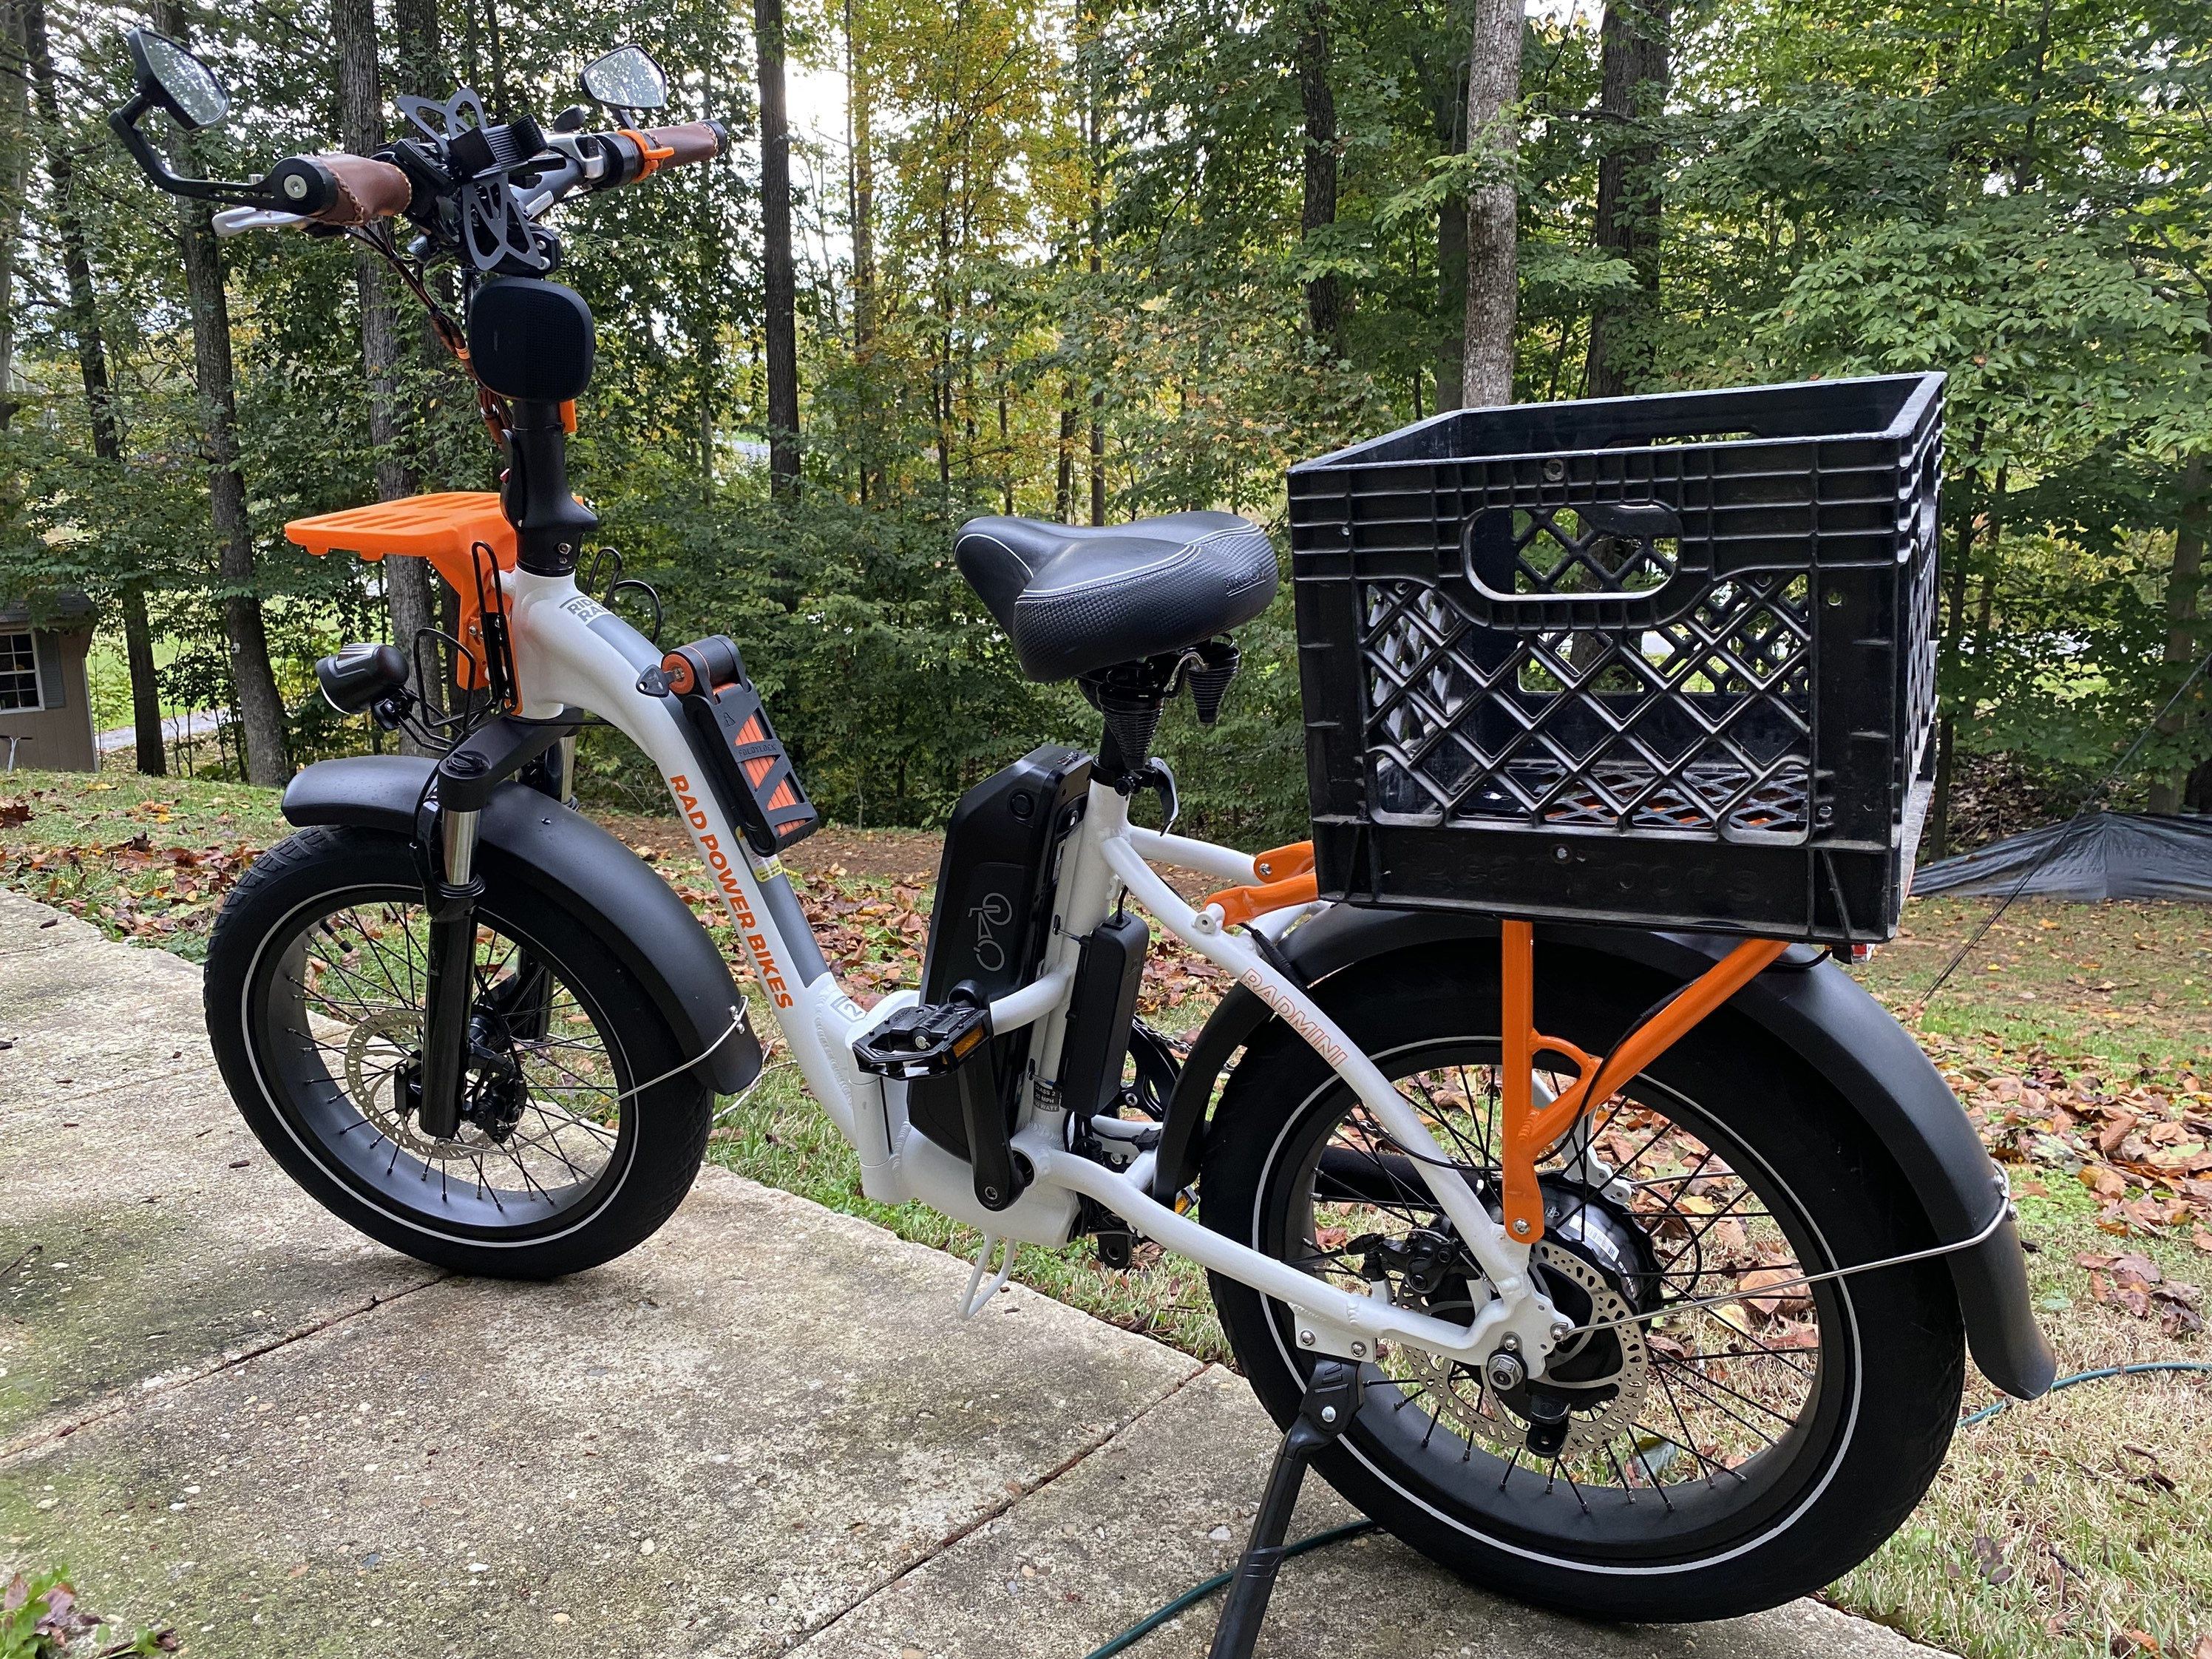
point(953, 1539)
point(132, 1398)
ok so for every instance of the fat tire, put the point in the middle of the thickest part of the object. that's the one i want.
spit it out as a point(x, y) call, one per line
point(1907, 1366)
point(668, 1123)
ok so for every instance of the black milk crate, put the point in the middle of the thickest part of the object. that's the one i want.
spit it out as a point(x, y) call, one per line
point(1667, 661)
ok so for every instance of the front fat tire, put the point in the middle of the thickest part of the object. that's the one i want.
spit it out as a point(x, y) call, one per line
point(1905, 1363)
point(665, 1128)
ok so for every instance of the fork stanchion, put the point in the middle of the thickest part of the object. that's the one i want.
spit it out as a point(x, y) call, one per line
point(1332, 1399)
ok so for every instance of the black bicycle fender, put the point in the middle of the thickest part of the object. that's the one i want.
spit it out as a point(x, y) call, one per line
point(527, 839)
point(1810, 1005)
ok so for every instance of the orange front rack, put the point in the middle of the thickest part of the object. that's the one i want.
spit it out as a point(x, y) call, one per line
point(445, 529)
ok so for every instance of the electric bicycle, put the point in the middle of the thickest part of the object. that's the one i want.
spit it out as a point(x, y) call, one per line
point(1624, 1269)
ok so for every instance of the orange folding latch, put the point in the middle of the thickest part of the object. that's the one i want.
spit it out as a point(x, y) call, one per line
point(1290, 880)
point(1528, 1131)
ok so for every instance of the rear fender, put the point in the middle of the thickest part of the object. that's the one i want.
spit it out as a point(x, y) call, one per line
point(1807, 1002)
point(527, 841)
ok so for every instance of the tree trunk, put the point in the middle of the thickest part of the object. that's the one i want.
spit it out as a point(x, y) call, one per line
point(1063, 492)
point(779, 279)
point(2184, 642)
point(259, 710)
point(1938, 832)
point(15, 177)
point(860, 106)
point(1098, 458)
point(1493, 87)
point(1324, 299)
point(92, 360)
point(360, 130)
point(1635, 78)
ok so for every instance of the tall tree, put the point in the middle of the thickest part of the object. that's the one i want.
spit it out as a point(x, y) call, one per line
point(779, 278)
point(1634, 70)
point(1324, 298)
point(15, 177)
point(361, 130)
point(259, 709)
point(2186, 640)
point(1493, 206)
point(92, 366)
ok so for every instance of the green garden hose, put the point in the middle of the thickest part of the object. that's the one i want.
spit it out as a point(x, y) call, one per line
point(1197, 1593)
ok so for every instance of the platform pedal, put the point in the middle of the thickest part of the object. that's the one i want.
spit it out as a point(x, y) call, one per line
point(736, 745)
point(952, 1038)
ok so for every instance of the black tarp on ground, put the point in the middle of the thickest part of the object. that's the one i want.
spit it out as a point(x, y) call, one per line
point(2106, 855)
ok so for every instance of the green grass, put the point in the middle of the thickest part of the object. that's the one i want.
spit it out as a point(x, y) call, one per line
point(2078, 1526)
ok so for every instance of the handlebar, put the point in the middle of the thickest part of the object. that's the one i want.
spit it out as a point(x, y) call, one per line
point(337, 189)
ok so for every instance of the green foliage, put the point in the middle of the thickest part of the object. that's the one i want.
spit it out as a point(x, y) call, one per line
point(1089, 252)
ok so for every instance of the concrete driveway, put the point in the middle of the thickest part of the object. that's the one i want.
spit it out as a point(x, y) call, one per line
point(765, 1432)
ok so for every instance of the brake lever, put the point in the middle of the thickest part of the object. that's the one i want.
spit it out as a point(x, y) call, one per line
point(236, 221)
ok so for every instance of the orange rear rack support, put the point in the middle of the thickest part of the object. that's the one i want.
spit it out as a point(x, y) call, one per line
point(1527, 1131)
point(443, 529)
point(1291, 880)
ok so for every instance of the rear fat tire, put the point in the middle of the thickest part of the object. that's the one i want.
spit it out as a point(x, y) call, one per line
point(1892, 1362)
point(663, 1130)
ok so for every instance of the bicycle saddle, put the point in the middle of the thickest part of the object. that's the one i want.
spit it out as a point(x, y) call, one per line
point(1073, 598)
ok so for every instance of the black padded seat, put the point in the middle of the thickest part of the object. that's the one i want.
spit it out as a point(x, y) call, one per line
point(1073, 598)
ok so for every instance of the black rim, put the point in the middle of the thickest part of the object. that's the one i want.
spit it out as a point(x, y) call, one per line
point(1692, 1436)
point(335, 1017)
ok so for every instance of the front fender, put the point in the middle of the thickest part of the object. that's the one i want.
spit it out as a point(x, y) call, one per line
point(1808, 1003)
point(528, 841)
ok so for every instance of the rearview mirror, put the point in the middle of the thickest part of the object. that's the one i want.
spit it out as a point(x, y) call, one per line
point(172, 77)
point(626, 78)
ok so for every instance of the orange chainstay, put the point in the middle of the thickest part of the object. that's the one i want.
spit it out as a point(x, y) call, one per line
point(1527, 1131)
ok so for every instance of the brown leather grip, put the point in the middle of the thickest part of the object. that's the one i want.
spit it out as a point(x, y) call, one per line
point(695, 141)
point(366, 190)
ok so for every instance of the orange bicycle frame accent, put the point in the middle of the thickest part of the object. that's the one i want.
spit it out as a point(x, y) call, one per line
point(1291, 880)
point(1526, 1130)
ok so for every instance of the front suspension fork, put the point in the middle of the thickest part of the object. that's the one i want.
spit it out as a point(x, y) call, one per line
point(450, 994)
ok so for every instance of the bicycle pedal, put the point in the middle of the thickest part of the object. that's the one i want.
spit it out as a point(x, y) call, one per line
point(733, 739)
point(928, 1041)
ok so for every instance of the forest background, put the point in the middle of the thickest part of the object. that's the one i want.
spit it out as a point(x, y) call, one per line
point(1086, 260)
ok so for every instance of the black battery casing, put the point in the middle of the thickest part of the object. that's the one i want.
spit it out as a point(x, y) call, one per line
point(992, 916)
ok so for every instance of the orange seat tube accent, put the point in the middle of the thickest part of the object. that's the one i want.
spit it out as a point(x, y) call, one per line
point(1527, 1131)
point(1243, 904)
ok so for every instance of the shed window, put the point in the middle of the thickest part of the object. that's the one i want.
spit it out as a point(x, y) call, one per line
point(18, 673)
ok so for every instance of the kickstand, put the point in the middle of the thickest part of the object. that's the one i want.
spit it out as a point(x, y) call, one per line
point(1332, 1399)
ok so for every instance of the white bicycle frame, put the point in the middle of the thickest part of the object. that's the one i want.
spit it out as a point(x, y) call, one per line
point(571, 654)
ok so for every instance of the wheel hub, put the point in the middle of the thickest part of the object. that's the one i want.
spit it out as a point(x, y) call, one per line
point(1595, 1266)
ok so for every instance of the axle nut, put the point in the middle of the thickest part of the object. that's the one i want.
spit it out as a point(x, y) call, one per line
point(1504, 1372)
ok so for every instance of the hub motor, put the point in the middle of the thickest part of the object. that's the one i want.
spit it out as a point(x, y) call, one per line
point(1596, 1264)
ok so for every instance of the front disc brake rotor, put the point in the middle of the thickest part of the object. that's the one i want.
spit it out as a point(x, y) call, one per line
point(378, 1085)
